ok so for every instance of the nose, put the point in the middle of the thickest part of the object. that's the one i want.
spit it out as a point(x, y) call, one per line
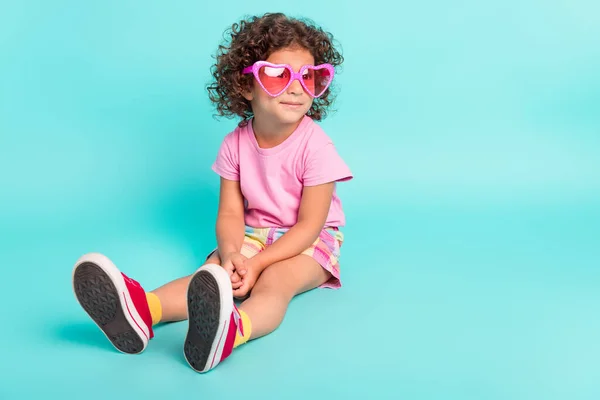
point(295, 87)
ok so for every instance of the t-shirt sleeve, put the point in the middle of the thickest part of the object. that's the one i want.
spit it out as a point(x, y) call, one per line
point(227, 163)
point(325, 166)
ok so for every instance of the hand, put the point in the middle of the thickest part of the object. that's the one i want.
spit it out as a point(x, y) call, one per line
point(249, 273)
point(232, 263)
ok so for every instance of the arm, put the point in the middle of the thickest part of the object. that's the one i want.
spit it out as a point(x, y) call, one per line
point(230, 219)
point(312, 215)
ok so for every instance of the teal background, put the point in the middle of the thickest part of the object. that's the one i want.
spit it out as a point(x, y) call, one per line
point(472, 260)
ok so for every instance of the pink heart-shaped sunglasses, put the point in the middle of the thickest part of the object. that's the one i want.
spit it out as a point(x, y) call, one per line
point(276, 78)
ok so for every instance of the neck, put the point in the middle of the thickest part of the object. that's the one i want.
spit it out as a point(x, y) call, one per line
point(272, 134)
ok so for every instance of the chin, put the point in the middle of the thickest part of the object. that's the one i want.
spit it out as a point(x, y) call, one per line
point(291, 118)
point(293, 115)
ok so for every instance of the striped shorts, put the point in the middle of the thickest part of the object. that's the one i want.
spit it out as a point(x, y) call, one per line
point(325, 250)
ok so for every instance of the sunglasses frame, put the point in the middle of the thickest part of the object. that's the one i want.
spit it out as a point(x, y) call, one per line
point(255, 68)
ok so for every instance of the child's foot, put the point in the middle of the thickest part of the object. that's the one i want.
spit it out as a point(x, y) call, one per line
point(213, 318)
point(116, 303)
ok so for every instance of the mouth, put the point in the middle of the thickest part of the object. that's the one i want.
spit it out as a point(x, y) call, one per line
point(291, 104)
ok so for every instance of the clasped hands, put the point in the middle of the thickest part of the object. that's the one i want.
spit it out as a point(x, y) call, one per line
point(243, 272)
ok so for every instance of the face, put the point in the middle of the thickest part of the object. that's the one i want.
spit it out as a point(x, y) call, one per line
point(289, 107)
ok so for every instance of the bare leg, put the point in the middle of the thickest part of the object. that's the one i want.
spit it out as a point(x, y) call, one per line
point(276, 287)
point(173, 295)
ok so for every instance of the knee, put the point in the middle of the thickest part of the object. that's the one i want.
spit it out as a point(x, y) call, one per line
point(213, 258)
point(271, 282)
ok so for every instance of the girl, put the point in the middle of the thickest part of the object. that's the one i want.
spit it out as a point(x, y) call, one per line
point(278, 217)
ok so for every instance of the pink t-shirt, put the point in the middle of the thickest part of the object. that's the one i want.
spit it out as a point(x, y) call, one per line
point(272, 179)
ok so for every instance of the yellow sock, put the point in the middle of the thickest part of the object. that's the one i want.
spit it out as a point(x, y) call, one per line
point(155, 307)
point(247, 325)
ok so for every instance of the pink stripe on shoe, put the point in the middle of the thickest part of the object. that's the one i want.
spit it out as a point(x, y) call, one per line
point(218, 344)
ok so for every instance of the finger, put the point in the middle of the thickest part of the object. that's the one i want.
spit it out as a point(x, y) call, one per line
point(237, 264)
point(241, 291)
point(228, 267)
point(236, 285)
point(235, 278)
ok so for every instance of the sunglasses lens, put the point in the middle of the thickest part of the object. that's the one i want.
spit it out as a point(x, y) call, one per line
point(274, 79)
point(317, 80)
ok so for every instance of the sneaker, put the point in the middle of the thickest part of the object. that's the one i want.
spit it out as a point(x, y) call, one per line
point(116, 303)
point(213, 319)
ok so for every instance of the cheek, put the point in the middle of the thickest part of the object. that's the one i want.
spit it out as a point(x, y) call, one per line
point(263, 101)
point(267, 101)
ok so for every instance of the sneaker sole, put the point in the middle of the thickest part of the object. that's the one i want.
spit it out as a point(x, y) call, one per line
point(101, 291)
point(210, 304)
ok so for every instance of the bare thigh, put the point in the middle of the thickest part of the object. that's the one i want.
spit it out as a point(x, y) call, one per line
point(292, 276)
point(275, 288)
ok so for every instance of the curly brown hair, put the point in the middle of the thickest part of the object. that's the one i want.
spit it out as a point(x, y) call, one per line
point(255, 39)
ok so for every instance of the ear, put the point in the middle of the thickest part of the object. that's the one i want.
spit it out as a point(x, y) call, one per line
point(248, 95)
